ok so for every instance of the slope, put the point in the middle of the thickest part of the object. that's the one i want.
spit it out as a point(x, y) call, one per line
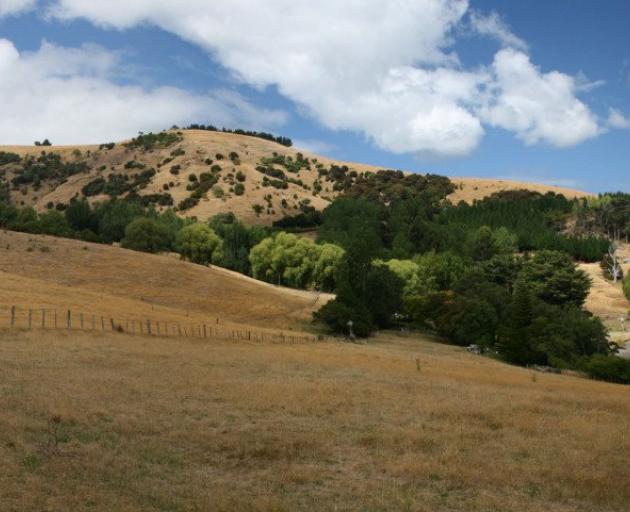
point(262, 182)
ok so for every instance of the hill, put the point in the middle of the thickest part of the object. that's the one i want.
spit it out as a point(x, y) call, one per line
point(202, 173)
point(47, 272)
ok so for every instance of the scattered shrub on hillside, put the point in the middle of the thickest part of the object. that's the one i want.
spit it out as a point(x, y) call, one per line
point(239, 189)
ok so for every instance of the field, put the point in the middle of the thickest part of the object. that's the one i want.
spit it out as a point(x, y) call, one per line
point(116, 422)
point(112, 421)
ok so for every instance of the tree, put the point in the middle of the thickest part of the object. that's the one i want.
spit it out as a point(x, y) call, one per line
point(199, 243)
point(514, 339)
point(80, 216)
point(610, 264)
point(114, 216)
point(54, 223)
point(554, 278)
point(483, 244)
point(284, 259)
point(327, 263)
point(148, 235)
point(384, 295)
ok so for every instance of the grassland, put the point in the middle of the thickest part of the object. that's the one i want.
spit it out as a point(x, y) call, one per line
point(110, 421)
point(143, 424)
point(198, 146)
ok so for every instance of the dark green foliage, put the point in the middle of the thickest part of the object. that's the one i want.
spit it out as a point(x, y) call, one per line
point(54, 223)
point(536, 220)
point(188, 203)
point(148, 235)
point(132, 164)
point(80, 216)
point(610, 368)
point(555, 279)
point(383, 295)
point(336, 314)
point(239, 189)
point(114, 216)
point(94, 187)
point(238, 240)
point(108, 146)
point(46, 167)
point(309, 218)
point(148, 141)
point(177, 152)
point(9, 158)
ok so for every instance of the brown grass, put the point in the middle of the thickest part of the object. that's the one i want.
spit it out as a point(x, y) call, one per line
point(179, 425)
point(39, 271)
point(199, 145)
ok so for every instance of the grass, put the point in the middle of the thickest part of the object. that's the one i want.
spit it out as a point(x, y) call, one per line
point(397, 424)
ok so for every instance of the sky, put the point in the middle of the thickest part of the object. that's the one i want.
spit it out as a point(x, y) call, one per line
point(530, 90)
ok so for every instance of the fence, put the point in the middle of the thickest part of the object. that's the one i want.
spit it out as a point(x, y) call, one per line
point(68, 319)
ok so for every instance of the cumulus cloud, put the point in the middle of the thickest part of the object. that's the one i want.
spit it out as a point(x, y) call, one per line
point(492, 25)
point(384, 68)
point(11, 7)
point(69, 95)
point(537, 106)
point(617, 120)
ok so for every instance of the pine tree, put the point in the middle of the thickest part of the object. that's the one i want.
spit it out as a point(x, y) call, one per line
point(514, 342)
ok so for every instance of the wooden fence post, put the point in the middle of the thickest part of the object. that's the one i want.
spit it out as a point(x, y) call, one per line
point(30, 318)
point(55, 318)
point(102, 324)
point(149, 326)
point(205, 333)
point(69, 322)
point(179, 328)
point(12, 316)
point(158, 327)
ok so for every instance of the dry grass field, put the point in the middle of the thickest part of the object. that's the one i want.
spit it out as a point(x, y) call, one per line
point(47, 272)
point(116, 422)
point(199, 145)
point(97, 421)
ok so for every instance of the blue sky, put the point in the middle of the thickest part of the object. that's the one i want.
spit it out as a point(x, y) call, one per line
point(530, 90)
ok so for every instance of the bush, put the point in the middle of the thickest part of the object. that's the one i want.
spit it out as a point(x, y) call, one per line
point(147, 235)
point(336, 315)
point(217, 191)
point(199, 243)
point(610, 368)
point(239, 189)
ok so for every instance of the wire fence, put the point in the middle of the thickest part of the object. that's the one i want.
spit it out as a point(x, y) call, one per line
point(16, 317)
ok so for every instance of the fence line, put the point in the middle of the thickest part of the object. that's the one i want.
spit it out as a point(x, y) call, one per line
point(69, 319)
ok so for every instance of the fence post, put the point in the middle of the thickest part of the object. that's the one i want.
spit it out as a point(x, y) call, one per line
point(69, 323)
point(205, 333)
point(30, 318)
point(55, 318)
point(102, 324)
point(179, 329)
point(43, 318)
point(158, 327)
point(12, 316)
point(149, 326)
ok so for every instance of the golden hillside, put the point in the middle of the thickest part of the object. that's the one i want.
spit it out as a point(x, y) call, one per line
point(192, 154)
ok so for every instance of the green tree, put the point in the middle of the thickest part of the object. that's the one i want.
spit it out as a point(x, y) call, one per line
point(199, 243)
point(555, 278)
point(54, 223)
point(148, 235)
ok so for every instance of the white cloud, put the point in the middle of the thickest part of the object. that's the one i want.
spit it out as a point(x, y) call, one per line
point(617, 120)
point(12, 7)
point(313, 146)
point(384, 68)
point(68, 95)
point(537, 106)
point(494, 26)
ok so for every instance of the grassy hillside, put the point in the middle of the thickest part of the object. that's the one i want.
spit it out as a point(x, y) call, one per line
point(164, 171)
point(115, 422)
point(40, 271)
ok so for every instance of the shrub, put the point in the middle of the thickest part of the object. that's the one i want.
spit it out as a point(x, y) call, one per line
point(336, 315)
point(240, 176)
point(175, 169)
point(199, 243)
point(147, 235)
point(610, 368)
point(217, 191)
point(239, 189)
